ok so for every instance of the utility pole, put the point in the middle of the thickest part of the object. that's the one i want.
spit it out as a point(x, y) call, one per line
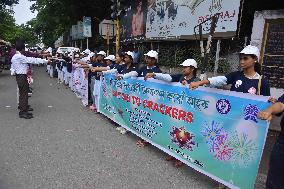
point(117, 8)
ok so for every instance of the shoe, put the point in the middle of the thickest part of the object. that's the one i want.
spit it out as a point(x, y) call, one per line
point(21, 113)
point(29, 108)
point(119, 128)
point(26, 116)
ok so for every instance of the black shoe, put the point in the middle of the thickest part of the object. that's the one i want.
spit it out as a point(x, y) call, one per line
point(29, 106)
point(26, 116)
point(21, 113)
point(30, 109)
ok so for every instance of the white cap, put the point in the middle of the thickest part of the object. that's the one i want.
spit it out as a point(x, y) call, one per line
point(49, 50)
point(59, 51)
point(92, 54)
point(189, 62)
point(110, 57)
point(129, 53)
point(87, 51)
point(251, 50)
point(77, 56)
point(153, 54)
point(101, 53)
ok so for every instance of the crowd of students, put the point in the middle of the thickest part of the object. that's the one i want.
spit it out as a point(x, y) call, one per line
point(248, 80)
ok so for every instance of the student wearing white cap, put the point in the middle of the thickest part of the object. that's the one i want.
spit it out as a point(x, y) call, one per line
point(129, 69)
point(94, 78)
point(151, 60)
point(188, 76)
point(249, 80)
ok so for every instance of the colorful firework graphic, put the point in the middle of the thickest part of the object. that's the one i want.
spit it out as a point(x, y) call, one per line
point(216, 138)
point(223, 151)
point(234, 147)
point(182, 138)
point(214, 134)
point(244, 149)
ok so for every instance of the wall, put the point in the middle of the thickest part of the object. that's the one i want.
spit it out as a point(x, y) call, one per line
point(257, 34)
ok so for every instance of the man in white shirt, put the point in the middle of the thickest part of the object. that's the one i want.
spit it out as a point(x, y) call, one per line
point(19, 68)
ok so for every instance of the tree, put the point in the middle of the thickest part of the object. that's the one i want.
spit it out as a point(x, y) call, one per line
point(56, 17)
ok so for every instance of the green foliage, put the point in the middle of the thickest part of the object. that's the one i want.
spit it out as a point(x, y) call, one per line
point(57, 16)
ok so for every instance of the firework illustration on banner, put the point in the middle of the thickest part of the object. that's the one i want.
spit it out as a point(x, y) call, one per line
point(217, 140)
point(235, 147)
point(182, 138)
point(244, 149)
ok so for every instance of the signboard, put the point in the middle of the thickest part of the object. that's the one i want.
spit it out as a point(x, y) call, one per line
point(177, 19)
point(215, 132)
point(107, 29)
point(87, 27)
point(80, 30)
point(74, 32)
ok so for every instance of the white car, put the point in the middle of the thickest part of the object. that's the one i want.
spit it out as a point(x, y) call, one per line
point(67, 49)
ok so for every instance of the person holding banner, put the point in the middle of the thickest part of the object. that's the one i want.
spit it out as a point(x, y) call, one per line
point(249, 80)
point(188, 76)
point(151, 60)
point(128, 70)
point(95, 79)
point(275, 176)
point(110, 59)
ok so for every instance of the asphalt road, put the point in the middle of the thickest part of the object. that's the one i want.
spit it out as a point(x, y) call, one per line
point(66, 146)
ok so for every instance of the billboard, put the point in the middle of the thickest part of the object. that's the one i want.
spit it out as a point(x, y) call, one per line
point(177, 19)
point(133, 22)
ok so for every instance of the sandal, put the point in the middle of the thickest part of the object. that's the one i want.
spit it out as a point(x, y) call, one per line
point(142, 143)
point(178, 164)
point(169, 158)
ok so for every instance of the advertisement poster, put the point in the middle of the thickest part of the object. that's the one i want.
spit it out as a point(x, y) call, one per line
point(174, 19)
point(133, 22)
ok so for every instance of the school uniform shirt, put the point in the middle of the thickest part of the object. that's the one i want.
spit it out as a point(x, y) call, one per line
point(96, 74)
point(118, 67)
point(145, 70)
point(281, 136)
point(175, 78)
point(20, 63)
point(126, 70)
point(241, 83)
